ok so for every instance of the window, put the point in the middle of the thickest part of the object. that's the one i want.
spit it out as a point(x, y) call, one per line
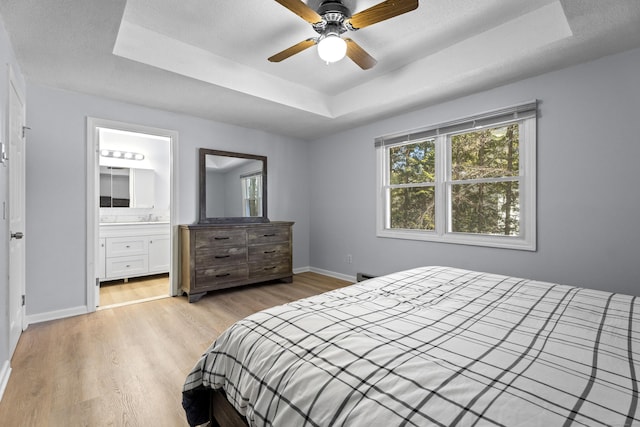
point(471, 181)
point(252, 194)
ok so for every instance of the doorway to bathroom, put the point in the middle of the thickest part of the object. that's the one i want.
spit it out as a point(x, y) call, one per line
point(130, 241)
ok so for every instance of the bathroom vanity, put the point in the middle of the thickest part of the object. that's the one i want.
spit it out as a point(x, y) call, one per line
point(133, 249)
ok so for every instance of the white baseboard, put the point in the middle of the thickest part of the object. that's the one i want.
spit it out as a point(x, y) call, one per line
point(325, 273)
point(83, 309)
point(333, 274)
point(5, 372)
point(55, 315)
point(301, 270)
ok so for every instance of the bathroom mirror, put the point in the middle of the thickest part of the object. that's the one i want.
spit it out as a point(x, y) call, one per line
point(126, 187)
point(233, 187)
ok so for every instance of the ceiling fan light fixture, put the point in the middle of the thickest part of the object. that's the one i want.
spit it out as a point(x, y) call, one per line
point(331, 19)
point(332, 48)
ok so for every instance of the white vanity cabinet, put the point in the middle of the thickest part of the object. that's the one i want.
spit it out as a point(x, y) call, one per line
point(159, 253)
point(134, 249)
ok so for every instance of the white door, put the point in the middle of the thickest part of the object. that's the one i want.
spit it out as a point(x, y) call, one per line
point(16, 214)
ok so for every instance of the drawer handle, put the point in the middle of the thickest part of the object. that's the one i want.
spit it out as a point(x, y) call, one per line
point(268, 235)
point(270, 252)
point(223, 275)
point(127, 246)
point(220, 238)
point(270, 268)
point(223, 256)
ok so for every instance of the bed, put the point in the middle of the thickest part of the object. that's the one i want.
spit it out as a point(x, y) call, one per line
point(429, 346)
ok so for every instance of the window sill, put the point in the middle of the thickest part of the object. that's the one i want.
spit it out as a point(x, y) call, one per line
point(503, 242)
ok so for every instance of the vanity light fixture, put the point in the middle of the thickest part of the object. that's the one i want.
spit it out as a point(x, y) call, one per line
point(121, 155)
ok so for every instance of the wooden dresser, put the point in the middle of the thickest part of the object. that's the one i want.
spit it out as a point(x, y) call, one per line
point(222, 256)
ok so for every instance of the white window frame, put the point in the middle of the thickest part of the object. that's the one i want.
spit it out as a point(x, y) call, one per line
point(525, 115)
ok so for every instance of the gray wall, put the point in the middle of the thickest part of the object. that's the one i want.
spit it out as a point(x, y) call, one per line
point(587, 196)
point(56, 184)
point(588, 184)
point(215, 191)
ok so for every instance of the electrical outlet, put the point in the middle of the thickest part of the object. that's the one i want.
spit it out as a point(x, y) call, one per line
point(349, 259)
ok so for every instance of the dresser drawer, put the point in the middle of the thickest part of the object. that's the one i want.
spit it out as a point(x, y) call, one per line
point(209, 277)
point(221, 256)
point(265, 269)
point(275, 251)
point(127, 266)
point(125, 246)
point(261, 235)
point(207, 239)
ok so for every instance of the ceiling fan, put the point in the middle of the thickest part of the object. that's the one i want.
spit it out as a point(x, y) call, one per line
point(332, 19)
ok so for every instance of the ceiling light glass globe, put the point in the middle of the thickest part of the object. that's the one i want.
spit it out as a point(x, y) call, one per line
point(332, 48)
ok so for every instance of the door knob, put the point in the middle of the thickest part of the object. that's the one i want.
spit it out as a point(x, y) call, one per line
point(19, 235)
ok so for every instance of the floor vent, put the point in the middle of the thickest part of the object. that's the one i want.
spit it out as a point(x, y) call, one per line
point(363, 276)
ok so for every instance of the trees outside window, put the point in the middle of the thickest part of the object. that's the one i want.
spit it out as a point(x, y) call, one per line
point(485, 180)
point(468, 183)
point(252, 195)
point(412, 176)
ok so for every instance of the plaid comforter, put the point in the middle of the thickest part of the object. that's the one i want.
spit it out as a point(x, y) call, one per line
point(431, 346)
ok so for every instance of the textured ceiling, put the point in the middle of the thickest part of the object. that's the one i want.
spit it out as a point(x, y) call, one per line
point(208, 58)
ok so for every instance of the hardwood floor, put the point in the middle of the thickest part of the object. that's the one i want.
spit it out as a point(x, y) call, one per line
point(137, 288)
point(126, 365)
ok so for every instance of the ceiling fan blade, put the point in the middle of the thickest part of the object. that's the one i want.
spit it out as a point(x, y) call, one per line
point(302, 10)
point(381, 12)
point(296, 48)
point(359, 55)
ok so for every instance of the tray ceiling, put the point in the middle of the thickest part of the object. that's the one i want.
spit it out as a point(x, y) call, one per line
point(209, 59)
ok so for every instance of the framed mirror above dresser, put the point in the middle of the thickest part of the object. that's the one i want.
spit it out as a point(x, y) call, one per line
point(233, 187)
point(234, 243)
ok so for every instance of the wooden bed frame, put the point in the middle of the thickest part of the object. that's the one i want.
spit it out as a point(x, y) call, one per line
point(222, 413)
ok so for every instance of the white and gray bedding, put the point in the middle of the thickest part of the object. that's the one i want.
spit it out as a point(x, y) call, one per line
point(431, 346)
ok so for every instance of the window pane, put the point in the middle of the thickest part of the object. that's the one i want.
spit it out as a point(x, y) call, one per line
point(487, 153)
point(487, 208)
point(412, 163)
point(413, 208)
point(252, 207)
